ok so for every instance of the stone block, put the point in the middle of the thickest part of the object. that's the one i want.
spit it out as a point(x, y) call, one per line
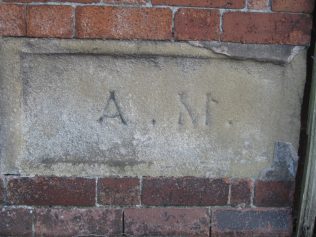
point(134, 108)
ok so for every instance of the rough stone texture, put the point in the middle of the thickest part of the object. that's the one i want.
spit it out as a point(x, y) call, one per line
point(78, 222)
point(258, 4)
point(273, 193)
point(240, 194)
point(272, 28)
point(50, 21)
point(12, 20)
point(278, 54)
point(142, 108)
point(196, 24)
point(193, 222)
point(306, 6)
point(202, 3)
point(123, 23)
point(51, 191)
point(119, 191)
point(15, 222)
point(187, 191)
point(284, 164)
point(1, 191)
point(251, 222)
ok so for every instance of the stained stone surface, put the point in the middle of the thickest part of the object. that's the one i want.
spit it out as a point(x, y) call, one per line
point(97, 108)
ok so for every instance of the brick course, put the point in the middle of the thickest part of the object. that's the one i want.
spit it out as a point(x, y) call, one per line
point(124, 23)
point(202, 3)
point(12, 20)
point(167, 222)
point(195, 24)
point(50, 21)
point(273, 193)
point(15, 222)
point(78, 222)
point(51, 191)
point(187, 191)
point(306, 6)
point(251, 222)
point(119, 191)
point(278, 28)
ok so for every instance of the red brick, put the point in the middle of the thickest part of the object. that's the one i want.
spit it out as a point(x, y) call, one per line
point(269, 28)
point(78, 222)
point(15, 222)
point(124, 23)
point(251, 222)
point(202, 3)
point(273, 193)
point(119, 191)
point(185, 191)
point(51, 191)
point(258, 4)
point(241, 192)
point(167, 222)
point(126, 1)
point(196, 24)
point(12, 20)
point(306, 6)
point(50, 21)
point(60, 1)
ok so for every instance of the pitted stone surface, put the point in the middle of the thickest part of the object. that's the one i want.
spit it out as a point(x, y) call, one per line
point(142, 108)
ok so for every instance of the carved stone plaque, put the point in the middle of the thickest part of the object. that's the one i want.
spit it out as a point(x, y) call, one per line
point(118, 108)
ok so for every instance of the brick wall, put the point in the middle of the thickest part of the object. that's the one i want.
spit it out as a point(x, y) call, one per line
point(246, 21)
point(148, 206)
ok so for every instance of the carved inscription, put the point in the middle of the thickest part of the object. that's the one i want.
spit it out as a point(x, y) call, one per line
point(112, 110)
point(192, 112)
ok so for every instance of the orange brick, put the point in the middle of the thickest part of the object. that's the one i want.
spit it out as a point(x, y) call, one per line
point(306, 6)
point(258, 4)
point(275, 28)
point(12, 20)
point(124, 23)
point(50, 21)
point(202, 3)
point(196, 24)
point(75, 1)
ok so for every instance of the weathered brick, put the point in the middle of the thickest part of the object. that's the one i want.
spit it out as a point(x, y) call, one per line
point(274, 193)
point(12, 20)
point(197, 24)
point(167, 222)
point(15, 222)
point(119, 191)
point(50, 21)
point(51, 191)
point(202, 3)
point(306, 6)
point(124, 23)
point(270, 28)
point(78, 222)
point(185, 191)
point(251, 222)
point(259, 4)
point(241, 192)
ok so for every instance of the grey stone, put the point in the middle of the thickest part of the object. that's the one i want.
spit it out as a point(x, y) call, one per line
point(97, 108)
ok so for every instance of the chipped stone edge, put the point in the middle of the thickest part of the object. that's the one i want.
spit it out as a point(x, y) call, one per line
point(277, 54)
